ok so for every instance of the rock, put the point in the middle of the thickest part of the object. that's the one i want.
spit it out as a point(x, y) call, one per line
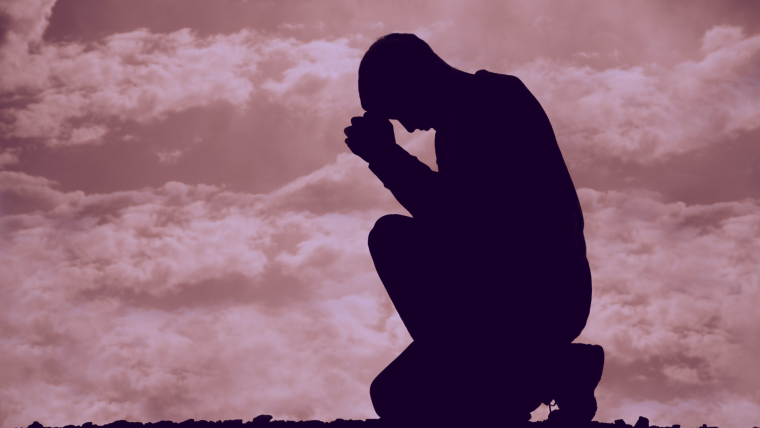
point(35, 424)
point(621, 422)
point(261, 419)
point(642, 423)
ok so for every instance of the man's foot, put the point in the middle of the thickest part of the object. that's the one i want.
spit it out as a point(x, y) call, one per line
point(580, 370)
point(560, 419)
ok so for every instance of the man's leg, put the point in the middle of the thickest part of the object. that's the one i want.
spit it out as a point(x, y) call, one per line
point(405, 260)
point(576, 368)
point(409, 388)
point(437, 371)
point(576, 373)
point(427, 378)
point(432, 381)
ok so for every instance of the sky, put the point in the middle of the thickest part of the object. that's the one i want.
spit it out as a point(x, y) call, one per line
point(183, 230)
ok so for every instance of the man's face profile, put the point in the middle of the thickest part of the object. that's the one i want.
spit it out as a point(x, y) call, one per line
point(396, 83)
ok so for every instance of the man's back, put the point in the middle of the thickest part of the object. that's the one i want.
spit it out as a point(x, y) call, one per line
point(502, 165)
point(513, 215)
point(502, 213)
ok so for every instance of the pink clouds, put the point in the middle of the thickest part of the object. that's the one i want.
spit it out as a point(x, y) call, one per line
point(22, 193)
point(142, 76)
point(676, 286)
point(322, 78)
point(164, 295)
point(135, 76)
point(186, 295)
point(697, 260)
point(648, 113)
point(184, 280)
point(8, 157)
point(25, 23)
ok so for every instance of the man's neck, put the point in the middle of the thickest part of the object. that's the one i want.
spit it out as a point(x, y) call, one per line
point(456, 95)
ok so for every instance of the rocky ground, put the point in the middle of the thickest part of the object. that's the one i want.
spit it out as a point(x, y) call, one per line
point(265, 421)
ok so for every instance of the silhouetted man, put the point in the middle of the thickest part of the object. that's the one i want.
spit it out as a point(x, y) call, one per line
point(489, 274)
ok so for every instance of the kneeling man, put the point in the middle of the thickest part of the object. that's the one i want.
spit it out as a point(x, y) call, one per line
point(490, 274)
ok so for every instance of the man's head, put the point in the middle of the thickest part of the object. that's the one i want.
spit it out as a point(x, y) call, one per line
point(400, 77)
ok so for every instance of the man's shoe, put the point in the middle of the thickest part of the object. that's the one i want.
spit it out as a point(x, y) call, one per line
point(580, 369)
point(560, 419)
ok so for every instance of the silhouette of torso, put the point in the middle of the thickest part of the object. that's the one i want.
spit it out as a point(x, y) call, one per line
point(503, 213)
point(490, 275)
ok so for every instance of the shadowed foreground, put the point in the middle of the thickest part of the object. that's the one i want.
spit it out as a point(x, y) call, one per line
point(266, 421)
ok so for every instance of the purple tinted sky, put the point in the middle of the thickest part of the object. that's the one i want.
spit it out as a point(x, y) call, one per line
point(184, 231)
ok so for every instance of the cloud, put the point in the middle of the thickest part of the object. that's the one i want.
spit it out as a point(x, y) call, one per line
point(142, 76)
point(648, 113)
point(322, 78)
point(273, 300)
point(675, 292)
point(191, 301)
point(169, 157)
point(131, 76)
point(21, 193)
point(177, 301)
point(25, 23)
point(644, 113)
point(9, 157)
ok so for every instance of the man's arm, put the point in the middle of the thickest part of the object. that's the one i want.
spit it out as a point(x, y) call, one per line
point(416, 187)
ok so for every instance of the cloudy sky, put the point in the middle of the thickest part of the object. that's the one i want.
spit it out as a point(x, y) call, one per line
point(183, 231)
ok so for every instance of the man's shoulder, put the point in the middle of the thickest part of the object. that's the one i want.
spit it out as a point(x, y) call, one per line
point(491, 77)
point(504, 92)
point(495, 95)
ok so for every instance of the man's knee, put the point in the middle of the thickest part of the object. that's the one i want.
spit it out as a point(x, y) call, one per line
point(388, 230)
point(379, 394)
